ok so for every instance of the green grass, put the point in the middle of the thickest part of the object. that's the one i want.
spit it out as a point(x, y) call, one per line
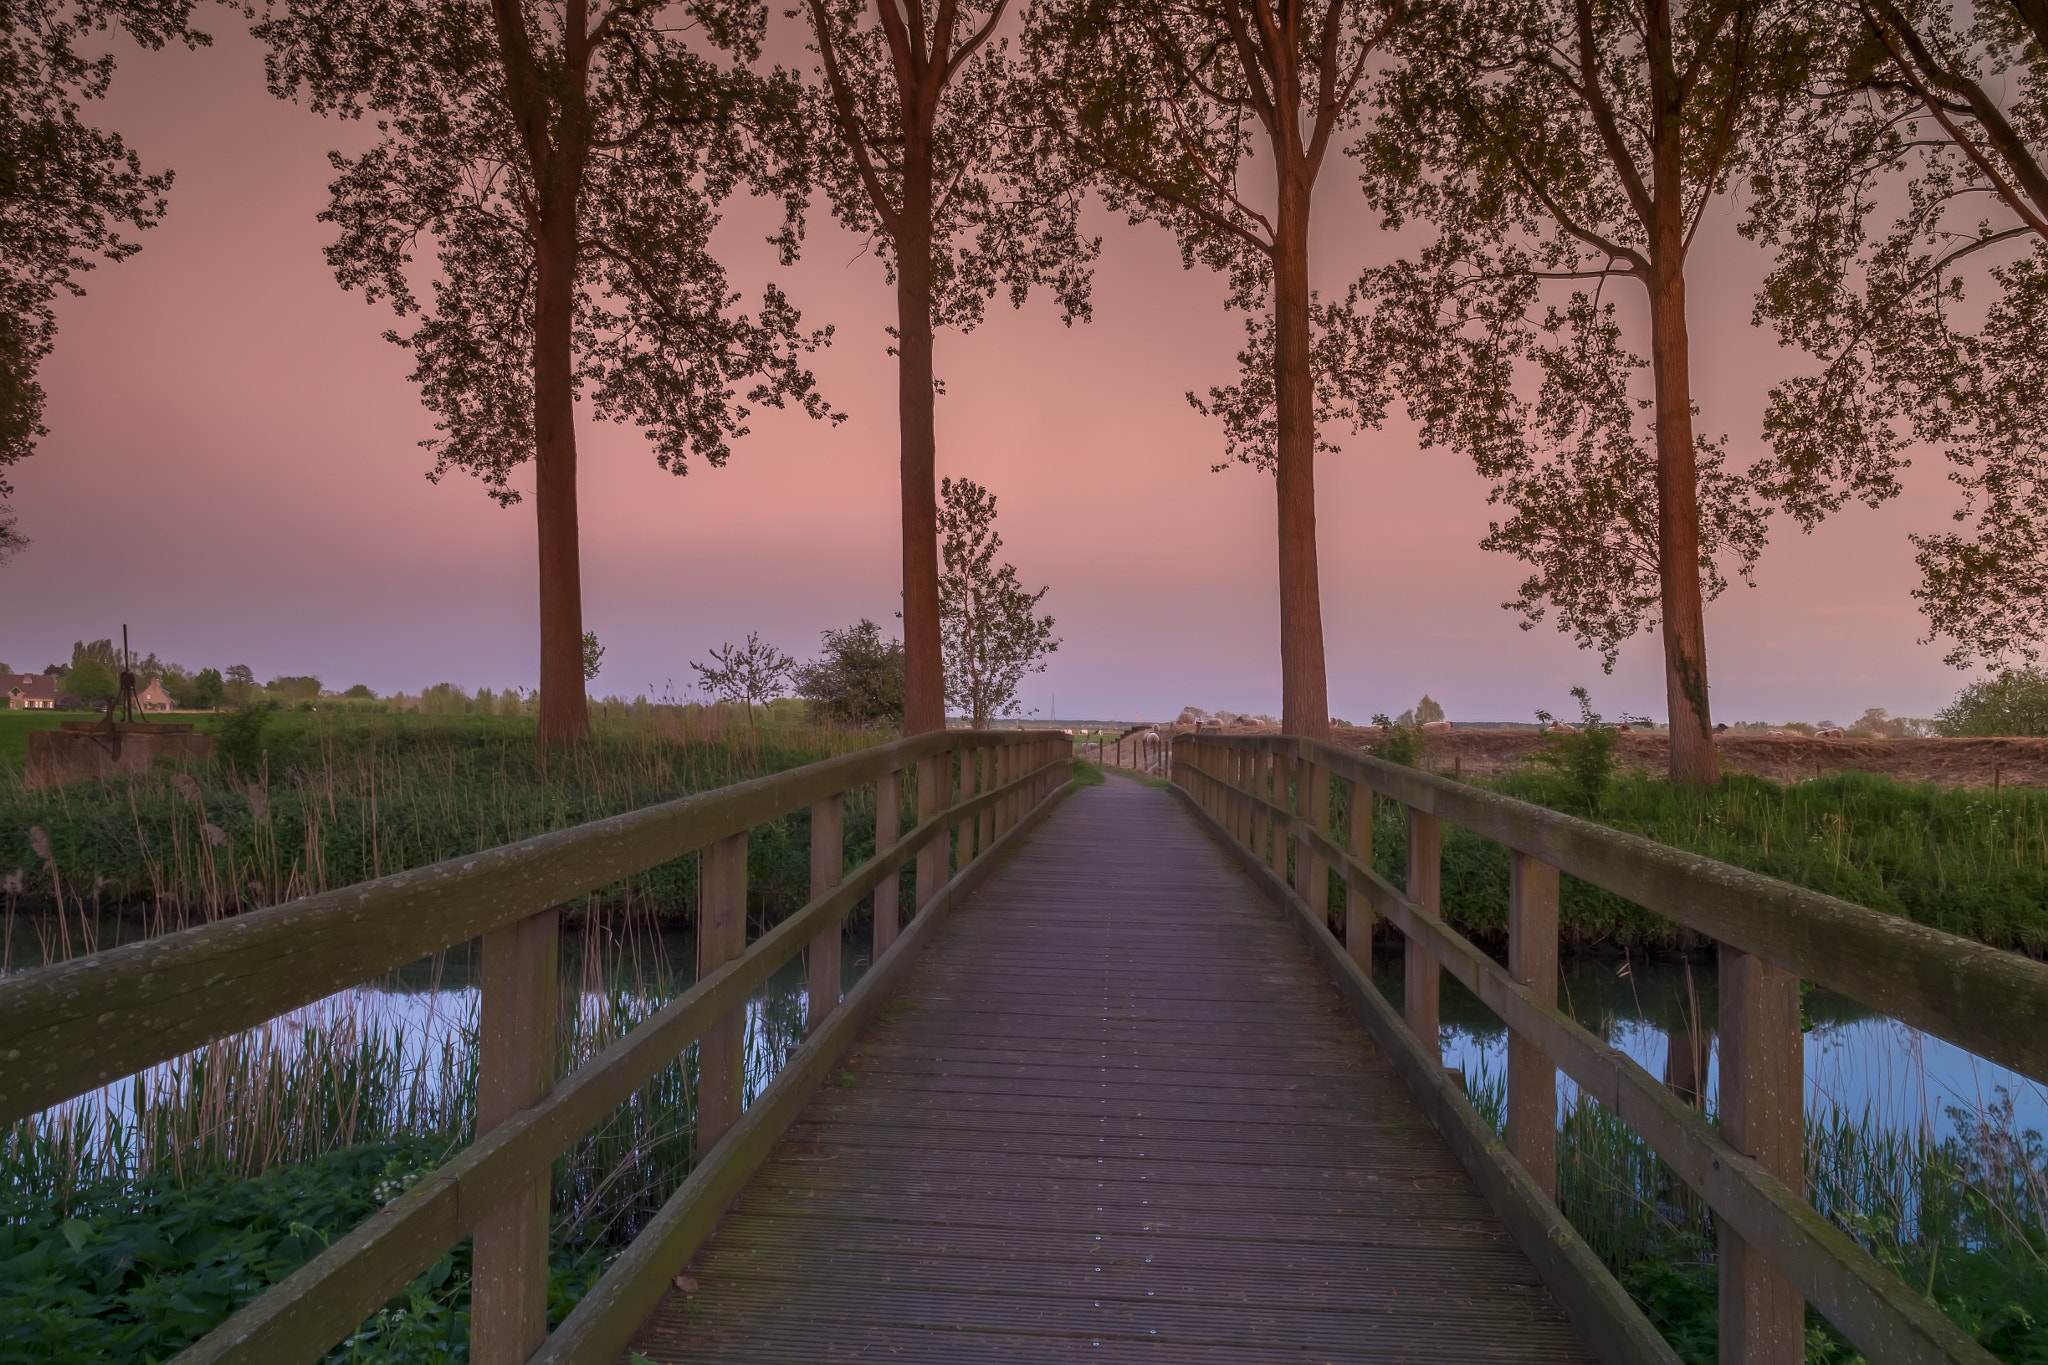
point(1972, 862)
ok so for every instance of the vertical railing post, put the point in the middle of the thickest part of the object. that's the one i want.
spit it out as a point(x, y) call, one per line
point(1422, 976)
point(1358, 843)
point(515, 1068)
point(985, 781)
point(1532, 962)
point(934, 778)
point(828, 861)
point(1241, 822)
point(721, 937)
point(1763, 1321)
point(1312, 803)
point(888, 824)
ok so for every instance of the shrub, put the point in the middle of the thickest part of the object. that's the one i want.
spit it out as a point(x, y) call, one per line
point(1401, 743)
point(857, 679)
point(1586, 758)
point(2013, 703)
point(239, 741)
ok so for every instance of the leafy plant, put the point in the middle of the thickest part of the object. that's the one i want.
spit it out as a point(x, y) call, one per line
point(239, 741)
point(1400, 742)
point(989, 626)
point(1585, 756)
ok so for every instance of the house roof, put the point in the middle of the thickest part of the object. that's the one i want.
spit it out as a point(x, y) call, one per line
point(37, 685)
point(153, 692)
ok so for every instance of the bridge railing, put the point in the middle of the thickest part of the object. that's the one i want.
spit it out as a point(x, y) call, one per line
point(1777, 1253)
point(71, 1027)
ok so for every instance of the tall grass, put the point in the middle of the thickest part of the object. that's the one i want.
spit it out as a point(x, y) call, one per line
point(1963, 1218)
point(336, 798)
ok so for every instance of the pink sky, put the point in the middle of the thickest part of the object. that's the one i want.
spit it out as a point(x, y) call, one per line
point(232, 471)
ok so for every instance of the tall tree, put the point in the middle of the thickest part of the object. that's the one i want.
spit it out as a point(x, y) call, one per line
point(1165, 105)
point(68, 190)
point(562, 164)
point(1910, 209)
point(1577, 141)
point(928, 163)
point(994, 636)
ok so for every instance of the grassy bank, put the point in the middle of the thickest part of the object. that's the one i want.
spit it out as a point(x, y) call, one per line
point(1974, 863)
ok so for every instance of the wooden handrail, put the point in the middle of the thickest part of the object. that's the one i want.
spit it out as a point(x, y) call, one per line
point(1983, 999)
point(73, 1026)
point(1768, 1225)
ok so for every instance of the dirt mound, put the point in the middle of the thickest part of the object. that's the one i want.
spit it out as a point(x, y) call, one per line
point(1781, 758)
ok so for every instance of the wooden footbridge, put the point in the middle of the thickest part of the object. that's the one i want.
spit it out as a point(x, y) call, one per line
point(1117, 1084)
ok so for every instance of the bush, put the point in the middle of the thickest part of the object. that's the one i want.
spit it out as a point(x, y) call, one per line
point(2013, 703)
point(1585, 758)
point(1402, 742)
point(239, 741)
point(858, 679)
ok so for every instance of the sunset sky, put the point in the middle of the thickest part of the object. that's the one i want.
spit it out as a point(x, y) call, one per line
point(232, 470)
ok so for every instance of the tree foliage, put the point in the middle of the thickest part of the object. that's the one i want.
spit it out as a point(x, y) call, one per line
point(993, 633)
point(642, 133)
point(1911, 215)
point(857, 678)
point(69, 191)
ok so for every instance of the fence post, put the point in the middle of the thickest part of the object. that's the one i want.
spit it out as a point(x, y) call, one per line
point(985, 781)
point(888, 824)
point(721, 937)
point(1241, 822)
point(828, 852)
point(516, 1068)
point(1312, 804)
point(934, 775)
point(1423, 977)
point(1532, 961)
point(1357, 909)
point(1763, 1321)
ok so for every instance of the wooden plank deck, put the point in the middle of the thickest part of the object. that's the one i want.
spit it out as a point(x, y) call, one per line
point(1118, 1112)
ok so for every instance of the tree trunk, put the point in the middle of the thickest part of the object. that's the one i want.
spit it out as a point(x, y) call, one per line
point(1304, 689)
point(564, 714)
point(924, 678)
point(1693, 760)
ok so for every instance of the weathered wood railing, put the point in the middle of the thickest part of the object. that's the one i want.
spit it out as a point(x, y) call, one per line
point(1270, 796)
point(71, 1027)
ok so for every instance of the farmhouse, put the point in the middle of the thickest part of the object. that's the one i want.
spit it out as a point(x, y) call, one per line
point(153, 697)
point(29, 691)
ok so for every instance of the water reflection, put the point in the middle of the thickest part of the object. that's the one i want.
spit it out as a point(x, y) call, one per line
point(1662, 1012)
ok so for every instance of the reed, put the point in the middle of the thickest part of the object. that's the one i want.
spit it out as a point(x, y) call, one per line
point(1963, 1217)
point(337, 798)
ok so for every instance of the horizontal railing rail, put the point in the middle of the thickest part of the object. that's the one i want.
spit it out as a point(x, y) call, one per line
point(1269, 795)
point(73, 1026)
point(205, 983)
